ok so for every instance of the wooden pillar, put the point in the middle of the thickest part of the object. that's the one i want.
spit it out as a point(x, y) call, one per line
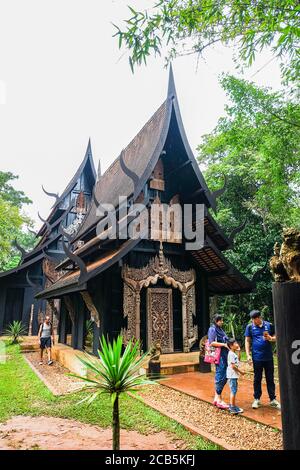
point(2, 307)
point(202, 305)
point(27, 307)
point(96, 337)
point(286, 300)
point(62, 338)
point(80, 328)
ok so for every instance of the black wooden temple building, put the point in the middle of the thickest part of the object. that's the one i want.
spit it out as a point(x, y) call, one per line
point(36, 269)
point(152, 288)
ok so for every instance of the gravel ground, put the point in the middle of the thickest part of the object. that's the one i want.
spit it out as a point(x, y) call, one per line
point(236, 430)
point(55, 374)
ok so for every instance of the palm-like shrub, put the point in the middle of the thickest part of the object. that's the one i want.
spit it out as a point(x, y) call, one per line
point(114, 374)
point(15, 331)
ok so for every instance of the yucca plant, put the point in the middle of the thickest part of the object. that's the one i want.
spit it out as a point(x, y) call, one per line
point(15, 331)
point(114, 374)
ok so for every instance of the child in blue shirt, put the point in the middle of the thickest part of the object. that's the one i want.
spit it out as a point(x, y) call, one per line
point(233, 373)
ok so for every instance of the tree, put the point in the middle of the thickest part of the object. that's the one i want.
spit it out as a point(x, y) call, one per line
point(13, 223)
point(9, 193)
point(256, 145)
point(115, 374)
point(191, 26)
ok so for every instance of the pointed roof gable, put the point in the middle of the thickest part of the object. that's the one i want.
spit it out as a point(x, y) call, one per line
point(141, 156)
point(87, 161)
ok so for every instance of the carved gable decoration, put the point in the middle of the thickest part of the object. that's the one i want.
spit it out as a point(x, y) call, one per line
point(157, 180)
point(166, 220)
point(80, 203)
point(49, 271)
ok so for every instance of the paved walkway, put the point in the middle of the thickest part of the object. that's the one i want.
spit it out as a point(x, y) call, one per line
point(202, 386)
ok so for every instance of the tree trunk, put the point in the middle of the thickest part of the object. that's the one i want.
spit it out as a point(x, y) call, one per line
point(286, 300)
point(116, 425)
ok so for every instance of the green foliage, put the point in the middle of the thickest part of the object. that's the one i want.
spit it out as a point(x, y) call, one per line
point(256, 145)
point(9, 193)
point(10, 225)
point(184, 27)
point(13, 223)
point(15, 331)
point(114, 375)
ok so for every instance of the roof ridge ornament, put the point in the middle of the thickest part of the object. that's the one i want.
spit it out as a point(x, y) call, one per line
point(48, 226)
point(20, 249)
point(216, 194)
point(171, 85)
point(260, 271)
point(33, 232)
point(31, 283)
point(99, 171)
point(89, 147)
point(130, 173)
point(75, 258)
point(55, 195)
point(237, 230)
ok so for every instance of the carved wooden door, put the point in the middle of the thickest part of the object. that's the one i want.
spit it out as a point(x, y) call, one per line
point(160, 318)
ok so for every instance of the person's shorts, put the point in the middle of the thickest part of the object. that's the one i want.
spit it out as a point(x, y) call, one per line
point(233, 384)
point(46, 343)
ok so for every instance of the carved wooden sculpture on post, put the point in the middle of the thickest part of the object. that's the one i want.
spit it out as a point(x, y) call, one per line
point(285, 266)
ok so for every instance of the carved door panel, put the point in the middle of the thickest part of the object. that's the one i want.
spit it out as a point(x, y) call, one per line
point(160, 318)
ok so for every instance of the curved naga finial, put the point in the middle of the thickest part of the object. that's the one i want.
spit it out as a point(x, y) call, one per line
point(261, 270)
point(31, 283)
point(216, 194)
point(98, 204)
point(55, 195)
point(21, 249)
point(237, 230)
point(45, 222)
point(32, 232)
point(75, 258)
point(131, 174)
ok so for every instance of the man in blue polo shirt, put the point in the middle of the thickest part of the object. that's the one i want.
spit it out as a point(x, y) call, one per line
point(259, 335)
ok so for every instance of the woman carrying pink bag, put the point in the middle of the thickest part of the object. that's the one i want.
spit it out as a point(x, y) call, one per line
point(217, 338)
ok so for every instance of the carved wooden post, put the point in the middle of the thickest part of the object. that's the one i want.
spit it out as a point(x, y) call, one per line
point(286, 300)
point(138, 314)
point(184, 323)
point(95, 316)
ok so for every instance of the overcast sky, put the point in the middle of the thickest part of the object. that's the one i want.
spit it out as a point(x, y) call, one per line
point(63, 80)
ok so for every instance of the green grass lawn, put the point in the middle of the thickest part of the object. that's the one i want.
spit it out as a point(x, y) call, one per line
point(23, 393)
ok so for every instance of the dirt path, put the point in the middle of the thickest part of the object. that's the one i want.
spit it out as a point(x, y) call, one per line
point(45, 433)
point(56, 377)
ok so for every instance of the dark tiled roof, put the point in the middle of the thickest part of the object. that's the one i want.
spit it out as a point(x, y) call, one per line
point(138, 156)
